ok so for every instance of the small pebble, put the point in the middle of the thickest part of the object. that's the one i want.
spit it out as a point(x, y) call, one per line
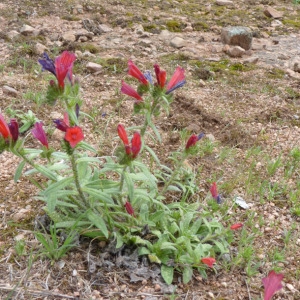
point(157, 288)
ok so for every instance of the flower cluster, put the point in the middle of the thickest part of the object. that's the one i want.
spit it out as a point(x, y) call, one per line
point(214, 193)
point(73, 135)
point(9, 130)
point(61, 68)
point(136, 143)
point(176, 81)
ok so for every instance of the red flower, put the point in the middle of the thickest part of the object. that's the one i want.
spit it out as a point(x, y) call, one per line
point(272, 284)
point(161, 76)
point(4, 129)
point(123, 135)
point(129, 91)
point(136, 142)
point(129, 208)
point(39, 133)
point(63, 67)
point(74, 135)
point(177, 80)
point(209, 261)
point(193, 140)
point(214, 190)
point(236, 226)
point(134, 71)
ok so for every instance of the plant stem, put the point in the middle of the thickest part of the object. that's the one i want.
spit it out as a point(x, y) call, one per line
point(175, 172)
point(76, 179)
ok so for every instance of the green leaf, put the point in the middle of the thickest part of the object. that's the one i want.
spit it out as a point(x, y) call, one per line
point(155, 131)
point(154, 259)
point(187, 274)
point(19, 170)
point(46, 172)
point(221, 247)
point(119, 238)
point(98, 221)
point(59, 185)
point(168, 246)
point(88, 159)
point(130, 185)
point(143, 251)
point(147, 148)
point(196, 225)
point(167, 273)
point(104, 197)
point(86, 146)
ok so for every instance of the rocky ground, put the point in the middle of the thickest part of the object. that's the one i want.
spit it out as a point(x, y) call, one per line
point(242, 99)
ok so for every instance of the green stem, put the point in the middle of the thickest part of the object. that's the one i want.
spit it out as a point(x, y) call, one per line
point(122, 179)
point(76, 179)
point(175, 173)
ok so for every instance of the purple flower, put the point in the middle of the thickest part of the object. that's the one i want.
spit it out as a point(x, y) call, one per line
point(39, 133)
point(47, 64)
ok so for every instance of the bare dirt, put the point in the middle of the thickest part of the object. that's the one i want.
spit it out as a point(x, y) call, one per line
point(240, 103)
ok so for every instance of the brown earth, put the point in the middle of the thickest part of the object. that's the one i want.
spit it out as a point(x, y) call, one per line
point(240, 103)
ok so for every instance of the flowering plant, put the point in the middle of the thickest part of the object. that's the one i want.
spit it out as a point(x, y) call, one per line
point(120, 197)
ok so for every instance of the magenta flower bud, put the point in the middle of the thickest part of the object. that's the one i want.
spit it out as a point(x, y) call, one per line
point(14, 129)
point(52, 82)
point(39, 133)
point(129, 208)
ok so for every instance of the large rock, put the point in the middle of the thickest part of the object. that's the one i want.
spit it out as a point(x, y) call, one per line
point(273, 13)
point(237, 36)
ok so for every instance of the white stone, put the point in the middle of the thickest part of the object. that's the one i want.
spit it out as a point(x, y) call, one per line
point(9, 91)
point(93, 67)
point(104, 28)
point(178, 42)
point(224, 2)
point(27, 30)
point(12, 34)
point(236, 51)
point(40, 48)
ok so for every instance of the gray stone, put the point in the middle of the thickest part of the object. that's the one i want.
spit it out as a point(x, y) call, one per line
point(93, 67)
point(9, 91)
point(237, 36)
point(178, 42)
point(27, 30)
point(297, 66)
point(273, 13)
point(224, 3)
point(165, 35)
point(104, 28)
point(236, 51)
